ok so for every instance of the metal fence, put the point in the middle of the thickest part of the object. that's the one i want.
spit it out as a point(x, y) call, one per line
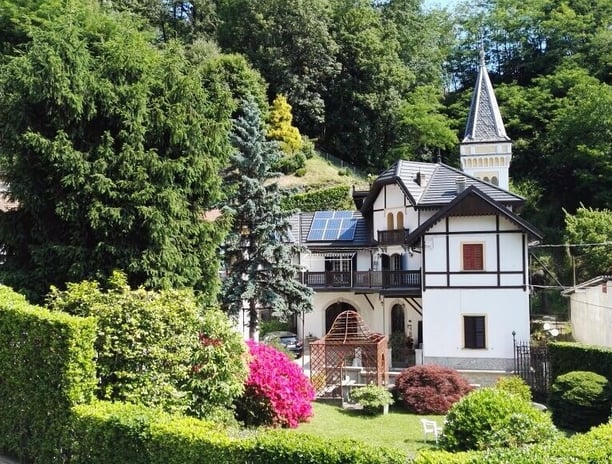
point(532, 364)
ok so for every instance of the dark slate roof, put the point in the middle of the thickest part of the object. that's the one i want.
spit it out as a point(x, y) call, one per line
point(442, 188)
point(471, 202)
point(433, 185)
point(484, 121)
point(300, 226)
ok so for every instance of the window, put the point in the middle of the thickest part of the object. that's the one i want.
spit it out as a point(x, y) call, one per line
point(390, 221)
point(400, 220)
point(473, 257)
point(338, 264)
point(474, 332)
point(396, 262)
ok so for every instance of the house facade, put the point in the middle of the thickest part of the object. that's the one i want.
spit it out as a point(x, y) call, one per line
point(591, 311)
point(435, 258)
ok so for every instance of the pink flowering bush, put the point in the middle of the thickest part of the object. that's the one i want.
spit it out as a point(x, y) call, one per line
point(277, 393)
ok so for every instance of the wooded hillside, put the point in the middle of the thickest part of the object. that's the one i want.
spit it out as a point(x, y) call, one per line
point(369, 81)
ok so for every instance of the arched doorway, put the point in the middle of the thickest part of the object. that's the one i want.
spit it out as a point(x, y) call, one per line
point(401, 344)
point(332, 312)
point(398, 319)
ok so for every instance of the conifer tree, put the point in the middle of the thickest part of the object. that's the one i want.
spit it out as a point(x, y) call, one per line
point(112, 148)
point(258, 252)
point(281, 126)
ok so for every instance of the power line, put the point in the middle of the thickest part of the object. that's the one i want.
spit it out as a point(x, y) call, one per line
point(565, 245)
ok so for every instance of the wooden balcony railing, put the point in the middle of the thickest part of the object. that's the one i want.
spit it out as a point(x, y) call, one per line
point(362, 279)
point(393, 237)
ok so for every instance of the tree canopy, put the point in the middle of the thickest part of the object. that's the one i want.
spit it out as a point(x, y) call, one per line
point(369, 82)
point(589, 235)
point(112, 147)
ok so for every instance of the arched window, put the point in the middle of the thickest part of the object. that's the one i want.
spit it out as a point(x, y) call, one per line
point(333, 311)
point(494, 180)
point(389, 221)
point(400, 221)
point(486, 179)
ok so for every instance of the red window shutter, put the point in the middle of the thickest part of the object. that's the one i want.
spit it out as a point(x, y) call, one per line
point(472, 257)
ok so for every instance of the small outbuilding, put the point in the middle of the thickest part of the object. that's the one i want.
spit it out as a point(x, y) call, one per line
point(591, 311)
point(348, 356)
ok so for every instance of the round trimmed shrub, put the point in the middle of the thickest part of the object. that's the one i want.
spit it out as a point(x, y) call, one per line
point(580, 400)
point(277, 393)
point(373, 398)
point(515, 385)
point(492, 418)
point(430, 389)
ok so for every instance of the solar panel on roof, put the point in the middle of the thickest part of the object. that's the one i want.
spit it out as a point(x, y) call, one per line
point(332, 225)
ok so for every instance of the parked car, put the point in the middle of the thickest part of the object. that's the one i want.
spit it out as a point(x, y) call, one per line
point(288, 340)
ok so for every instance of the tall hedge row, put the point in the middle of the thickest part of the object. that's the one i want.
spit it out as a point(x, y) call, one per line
point(46, 367)
point(568, 357)
point(333, 198)
point(128, 434)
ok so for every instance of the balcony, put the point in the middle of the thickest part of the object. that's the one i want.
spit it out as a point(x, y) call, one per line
point(393, 237)
point(363, 279)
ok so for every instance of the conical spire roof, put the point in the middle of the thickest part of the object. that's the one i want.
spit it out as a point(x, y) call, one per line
point(484, 121)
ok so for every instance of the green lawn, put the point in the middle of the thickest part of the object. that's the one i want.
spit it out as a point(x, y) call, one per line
point(398, 429)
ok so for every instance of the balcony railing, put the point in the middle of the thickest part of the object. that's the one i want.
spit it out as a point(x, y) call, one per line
point(393, 237)
point(363, 279)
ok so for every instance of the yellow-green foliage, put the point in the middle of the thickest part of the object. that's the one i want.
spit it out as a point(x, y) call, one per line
point(280, 126)
point(122, 433)
point(46, 367)
point(157, 348)
point(515, 385)
point(594, 446)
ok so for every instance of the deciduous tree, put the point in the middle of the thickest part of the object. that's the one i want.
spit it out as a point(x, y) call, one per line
point(289, 42)
point(593, 229)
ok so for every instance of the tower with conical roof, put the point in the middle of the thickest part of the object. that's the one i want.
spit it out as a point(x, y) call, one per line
point(486, 150)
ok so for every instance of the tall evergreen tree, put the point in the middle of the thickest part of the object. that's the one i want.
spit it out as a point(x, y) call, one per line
point(112, 148)
point(258, 253)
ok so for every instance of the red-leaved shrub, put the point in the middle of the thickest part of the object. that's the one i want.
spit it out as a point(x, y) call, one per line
point(430, 389)
point(277, 393)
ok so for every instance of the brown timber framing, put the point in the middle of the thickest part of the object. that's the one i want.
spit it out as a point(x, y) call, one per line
point(497, 252)
point(447, 226)
point(498, 272)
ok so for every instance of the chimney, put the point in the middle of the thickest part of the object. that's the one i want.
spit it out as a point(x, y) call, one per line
point(460, 182)
point(420, 178)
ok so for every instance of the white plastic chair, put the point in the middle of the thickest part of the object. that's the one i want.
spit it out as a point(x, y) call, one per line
point(432, 427)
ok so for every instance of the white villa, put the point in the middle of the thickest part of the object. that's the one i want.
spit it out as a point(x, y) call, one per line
point(435, 257)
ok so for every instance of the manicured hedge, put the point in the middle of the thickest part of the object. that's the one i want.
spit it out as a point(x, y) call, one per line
point(592, 447)
point(129, 434)
point(567, 357)
point(46, 367)
point(117, 433)
point(580, 400)
point(334, 198)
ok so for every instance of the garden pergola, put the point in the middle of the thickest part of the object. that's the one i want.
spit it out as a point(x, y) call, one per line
point(348, 356)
